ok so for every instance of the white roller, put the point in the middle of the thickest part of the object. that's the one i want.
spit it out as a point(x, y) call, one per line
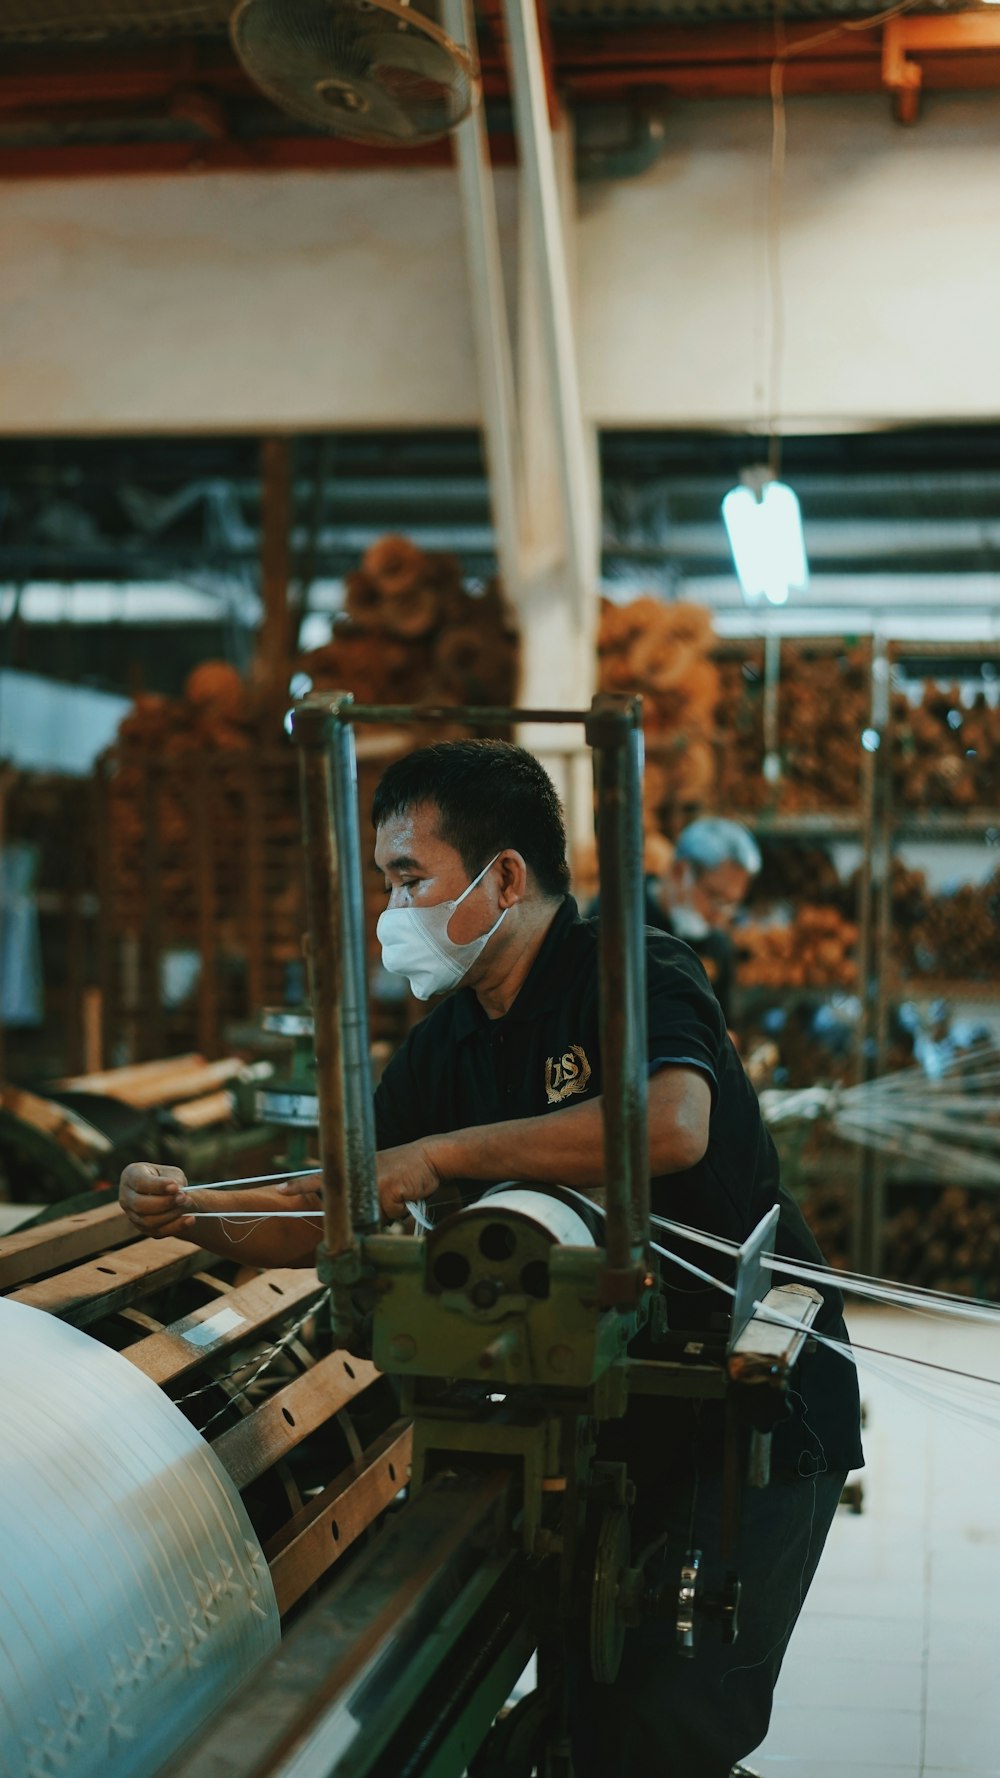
point(557, 1218)
point(134, 1595)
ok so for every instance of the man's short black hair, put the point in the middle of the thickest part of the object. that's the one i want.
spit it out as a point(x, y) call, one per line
point(489, 795)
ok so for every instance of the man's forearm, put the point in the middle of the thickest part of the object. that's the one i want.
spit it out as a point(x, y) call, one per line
point(278, 1241)
point(565, 1147)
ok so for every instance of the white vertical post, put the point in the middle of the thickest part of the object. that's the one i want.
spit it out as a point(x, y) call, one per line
point(540, 195)
point(541, 457)
point(489, 315)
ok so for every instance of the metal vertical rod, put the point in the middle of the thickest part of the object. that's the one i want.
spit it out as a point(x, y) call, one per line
point(274, 643)
point(335, 904)
point(72, 897)
point(6, 781)
point(616, 736)
point(772, 683)
point(253, 889)
point(107, 922)
point(149, 1035)
point(876, 990)
point(203, 829)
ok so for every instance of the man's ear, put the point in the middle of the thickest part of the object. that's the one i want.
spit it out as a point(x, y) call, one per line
point(513, 878)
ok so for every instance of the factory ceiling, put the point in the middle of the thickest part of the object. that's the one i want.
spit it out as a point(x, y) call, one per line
point(904, 524)
point(906, 521)
point(95, 86)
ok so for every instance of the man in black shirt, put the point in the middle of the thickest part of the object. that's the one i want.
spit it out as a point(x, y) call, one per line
point(503, 1080)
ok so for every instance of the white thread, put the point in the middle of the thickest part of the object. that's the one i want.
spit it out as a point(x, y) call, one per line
point(971, 1416)
point(253, 1215)
point(904, 1296)
point(215, 1185)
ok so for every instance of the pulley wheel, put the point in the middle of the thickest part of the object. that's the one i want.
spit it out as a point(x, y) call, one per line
point(607, 1628)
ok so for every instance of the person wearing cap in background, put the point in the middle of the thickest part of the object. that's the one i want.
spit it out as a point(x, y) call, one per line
point(697, 892)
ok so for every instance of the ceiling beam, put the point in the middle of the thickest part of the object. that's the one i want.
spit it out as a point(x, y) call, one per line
point(202, 85)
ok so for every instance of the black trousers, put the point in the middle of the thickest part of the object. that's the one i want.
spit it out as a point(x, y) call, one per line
point(667, 1716)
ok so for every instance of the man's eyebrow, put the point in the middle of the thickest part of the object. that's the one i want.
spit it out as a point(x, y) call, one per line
point(401, 862)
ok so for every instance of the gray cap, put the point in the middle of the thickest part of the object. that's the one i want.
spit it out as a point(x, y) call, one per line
point(713, 841)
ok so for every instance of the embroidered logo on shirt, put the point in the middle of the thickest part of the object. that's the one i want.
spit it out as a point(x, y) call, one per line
point(566, 1076)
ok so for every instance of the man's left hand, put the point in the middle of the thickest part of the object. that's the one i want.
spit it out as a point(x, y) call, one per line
point(405, 1173)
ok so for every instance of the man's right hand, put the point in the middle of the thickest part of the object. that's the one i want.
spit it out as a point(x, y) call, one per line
point(154, 1199)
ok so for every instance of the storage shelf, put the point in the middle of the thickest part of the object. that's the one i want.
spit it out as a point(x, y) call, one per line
point(928, 825)
point(929, 651)
point(812, 991)
point(809, 824)
point(943, 988)
point(900, 1173)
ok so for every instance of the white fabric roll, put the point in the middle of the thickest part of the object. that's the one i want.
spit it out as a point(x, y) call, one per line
point(134, 1595)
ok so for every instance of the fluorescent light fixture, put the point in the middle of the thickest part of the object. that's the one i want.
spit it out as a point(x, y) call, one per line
point(764, 526)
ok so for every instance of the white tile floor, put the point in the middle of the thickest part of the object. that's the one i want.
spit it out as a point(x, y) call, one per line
point(894, 1668)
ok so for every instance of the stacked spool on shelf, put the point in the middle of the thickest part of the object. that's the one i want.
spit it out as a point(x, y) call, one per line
point(663, 652)
point(829, 1211)
point(951, 1242)
point(814, 949)
point(946, 752)
point(823, 709)
point(156, 775)
point(950, 937)
point(413, 634)
point(204, 845)
point(739, 722)
point(797, 871)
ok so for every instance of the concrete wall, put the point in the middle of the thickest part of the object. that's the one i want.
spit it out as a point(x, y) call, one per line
point(890, 250)
point(236, 301)
point(337, 300)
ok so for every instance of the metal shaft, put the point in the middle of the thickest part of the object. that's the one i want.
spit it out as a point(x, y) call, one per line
point(335, 901)
point(616, 737)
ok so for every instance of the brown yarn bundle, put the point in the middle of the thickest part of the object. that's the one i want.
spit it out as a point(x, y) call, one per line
point(740, 729)
point(662, 651)
point(815, 949)
point(823, 709)
point(954, 937)
point(946, 755)
point(186, 774)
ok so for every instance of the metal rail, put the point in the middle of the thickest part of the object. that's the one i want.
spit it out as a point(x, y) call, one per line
point(337, 967)
point(615, 734)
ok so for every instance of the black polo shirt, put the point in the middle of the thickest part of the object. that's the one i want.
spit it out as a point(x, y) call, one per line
point(459, 1068)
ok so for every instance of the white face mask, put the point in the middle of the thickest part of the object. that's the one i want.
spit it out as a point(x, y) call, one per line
point(415, 943)
point(688, 923)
